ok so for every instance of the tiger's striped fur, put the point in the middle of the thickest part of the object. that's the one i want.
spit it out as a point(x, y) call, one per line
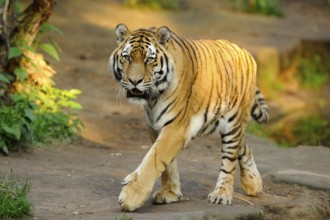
point(189, 88)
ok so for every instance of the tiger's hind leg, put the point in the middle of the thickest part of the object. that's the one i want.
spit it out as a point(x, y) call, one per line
point(170, 190)
point(250, 177)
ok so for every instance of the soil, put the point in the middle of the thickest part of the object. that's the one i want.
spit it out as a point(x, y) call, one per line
point(82, 181)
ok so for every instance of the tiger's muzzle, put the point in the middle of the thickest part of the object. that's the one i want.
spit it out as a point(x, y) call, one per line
point(136, 93)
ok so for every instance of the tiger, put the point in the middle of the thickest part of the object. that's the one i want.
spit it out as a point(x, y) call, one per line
point(188, 89)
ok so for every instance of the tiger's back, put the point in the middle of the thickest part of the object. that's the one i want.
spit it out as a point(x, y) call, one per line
point(188, 88)
point(213, 79)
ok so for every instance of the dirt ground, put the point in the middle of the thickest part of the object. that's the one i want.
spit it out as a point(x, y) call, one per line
point(82, 181)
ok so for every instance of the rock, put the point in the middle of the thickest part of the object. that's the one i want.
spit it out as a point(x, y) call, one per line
point(305, 178)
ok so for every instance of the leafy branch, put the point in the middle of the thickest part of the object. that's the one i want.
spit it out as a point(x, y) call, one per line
point(32, 110)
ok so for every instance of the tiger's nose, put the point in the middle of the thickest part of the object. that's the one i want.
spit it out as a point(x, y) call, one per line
point(135, 82)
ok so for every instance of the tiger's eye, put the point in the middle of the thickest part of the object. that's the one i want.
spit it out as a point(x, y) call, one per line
point(150, 59)
point(126, 57)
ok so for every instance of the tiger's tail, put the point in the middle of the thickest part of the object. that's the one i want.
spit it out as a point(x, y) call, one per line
point(259, 110)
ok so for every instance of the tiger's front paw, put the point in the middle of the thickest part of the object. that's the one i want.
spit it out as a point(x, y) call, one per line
point(164, 196)
point(221, 196)
point(134, 193)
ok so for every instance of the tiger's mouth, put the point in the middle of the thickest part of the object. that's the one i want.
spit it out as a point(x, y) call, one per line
point(135, 93)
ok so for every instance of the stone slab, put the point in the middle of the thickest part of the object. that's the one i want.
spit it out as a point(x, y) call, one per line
point(305, 178)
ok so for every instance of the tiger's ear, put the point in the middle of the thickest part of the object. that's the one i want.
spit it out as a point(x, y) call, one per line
point(163, 35)
point(121, 32)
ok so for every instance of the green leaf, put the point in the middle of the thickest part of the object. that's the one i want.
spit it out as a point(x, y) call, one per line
point(50, 50)
point(15, 130)
point(48, 27)
point(4, 78)
point(10, 77)
point(15, 52)
point(57, 47)
point(21, 74)
point(29, 114)
point(72, 104)
point(29, 48)
point(5, 149)
point(17, 97)
point(75, 92)
point(75, 105)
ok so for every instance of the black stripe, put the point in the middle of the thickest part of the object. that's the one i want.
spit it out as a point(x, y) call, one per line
point(176, 41)
point(171, 120)
point(117, 70)
point(236, 136)
point(254, 107)
point(175, 38)
point(161, 62)
point(214, 127)
point(164, 110)
point(164, 79)
point(258, 117)
point(228, 172)
point(226, 73)
point(243, 154)
point(166, 62)
point(226, 152)
point(233, 131)
point(228, 158)
point(232, 147)
point(185, 43)
point(233, 140)
point(212, 82)
point(261, 99)
point(232, 117)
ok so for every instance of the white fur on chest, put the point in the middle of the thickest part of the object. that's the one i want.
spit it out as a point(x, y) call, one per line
point(153, 117)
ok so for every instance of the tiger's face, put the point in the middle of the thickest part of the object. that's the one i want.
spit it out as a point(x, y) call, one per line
point(141, 63)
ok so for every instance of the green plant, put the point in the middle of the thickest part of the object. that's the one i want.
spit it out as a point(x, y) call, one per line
point(312, 130)
point(266, 7)
point(32, 110)
point(51, 48)
point(257, 129)
point(56, 125)
point(314, 72)
point(308, 130)
point(15, 122)
point(155, 4)
point(38, 117)
point(124, 217)
point(13, 198)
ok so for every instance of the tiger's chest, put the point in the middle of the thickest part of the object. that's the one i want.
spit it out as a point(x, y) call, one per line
point(158, 115)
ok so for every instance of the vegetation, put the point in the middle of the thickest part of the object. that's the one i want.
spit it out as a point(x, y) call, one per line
point(124, 217)
point(266, 7)
point(309, 130)
point(13, 198)
point(314, 72)
point(257, 129)
point(312, 130)
point(155, 4)
point(32, 110)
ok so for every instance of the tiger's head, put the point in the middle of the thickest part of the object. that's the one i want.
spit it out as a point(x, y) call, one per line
point(141, 63)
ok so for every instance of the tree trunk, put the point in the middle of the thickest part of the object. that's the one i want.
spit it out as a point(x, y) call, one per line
point(32, 18)
point(7, 13)
point(25, 27)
